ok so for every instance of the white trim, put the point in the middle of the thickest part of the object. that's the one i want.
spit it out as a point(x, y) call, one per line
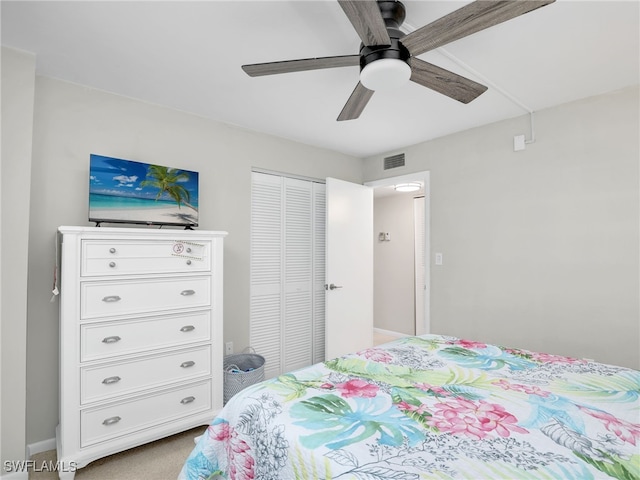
point(288, 175)
point(31, 449)
point(15, 476)
point(41, 446)
point(409, 177)
point(419, 263)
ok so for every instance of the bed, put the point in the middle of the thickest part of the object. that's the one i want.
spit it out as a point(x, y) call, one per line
point(430, 407)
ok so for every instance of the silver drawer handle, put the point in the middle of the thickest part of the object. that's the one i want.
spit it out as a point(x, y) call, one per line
point(112, 250)
point(110, 380)
point(187, 364)
point(112, 264)
point(188, 328)
point(188, 262)
point(111, 299)
point(112, 339)
point(188, 249)
point(186, 293)
point(186, 400)
point(111, 420)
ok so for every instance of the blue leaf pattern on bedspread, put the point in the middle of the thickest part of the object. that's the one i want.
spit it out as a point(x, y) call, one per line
point(340, 423)
point(430, 407)
point(487, 358)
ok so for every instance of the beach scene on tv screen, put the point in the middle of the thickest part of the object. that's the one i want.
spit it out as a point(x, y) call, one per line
point(135, 192)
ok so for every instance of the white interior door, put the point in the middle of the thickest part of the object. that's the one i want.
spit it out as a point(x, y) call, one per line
point(349, 268)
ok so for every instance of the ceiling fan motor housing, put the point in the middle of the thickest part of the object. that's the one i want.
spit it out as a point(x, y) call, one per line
point(393, 13)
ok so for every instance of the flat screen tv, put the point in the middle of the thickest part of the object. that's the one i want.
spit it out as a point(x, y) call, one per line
point(125, 191)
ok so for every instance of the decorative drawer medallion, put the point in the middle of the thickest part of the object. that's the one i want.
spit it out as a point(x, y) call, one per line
point(117, 420)
point(128, 297)
point(110, 339)
point(113, 257)
point(114, 379)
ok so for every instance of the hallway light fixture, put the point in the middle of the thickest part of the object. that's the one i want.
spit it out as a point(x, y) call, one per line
point(408, 187)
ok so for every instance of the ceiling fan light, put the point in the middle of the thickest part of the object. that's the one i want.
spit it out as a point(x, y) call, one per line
point(385, 74)
point(408, 187)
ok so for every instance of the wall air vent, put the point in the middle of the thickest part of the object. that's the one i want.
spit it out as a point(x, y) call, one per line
point(394, 161)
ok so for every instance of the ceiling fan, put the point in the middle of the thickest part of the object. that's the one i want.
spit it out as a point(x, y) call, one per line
point(388, 57)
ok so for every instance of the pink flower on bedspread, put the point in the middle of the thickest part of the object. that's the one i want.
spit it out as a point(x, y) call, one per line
point(544, 357)
point(550, 358)
point(475, 420)
point(426, 387)
point(377, 355)
point(241, 463)
point(626, 431)
point(529, 389)
point(469, 343)
point(357, 388)
point(407, 407)
point(220, 431)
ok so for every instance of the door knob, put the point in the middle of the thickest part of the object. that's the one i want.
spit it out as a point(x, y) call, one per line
point(332, 286)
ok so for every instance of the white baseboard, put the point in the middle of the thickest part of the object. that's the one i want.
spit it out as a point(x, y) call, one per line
point(390, 333)
point(39, 447)
point(32, 449)
point(15, 476)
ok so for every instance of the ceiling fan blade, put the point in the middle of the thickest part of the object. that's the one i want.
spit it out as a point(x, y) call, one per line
point(287, 66)
point(366, 18)
point(467, 20)
point(445, 82)
point(356, 103)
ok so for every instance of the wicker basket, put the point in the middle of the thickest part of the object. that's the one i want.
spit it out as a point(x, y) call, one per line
point(240, 371)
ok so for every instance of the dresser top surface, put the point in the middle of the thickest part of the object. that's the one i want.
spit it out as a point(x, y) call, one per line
point(139, 232)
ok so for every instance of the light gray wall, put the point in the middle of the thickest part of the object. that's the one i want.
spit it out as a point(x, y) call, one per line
point(72, 122)
point(394, 269)
point(541, 246)
point(18, 70)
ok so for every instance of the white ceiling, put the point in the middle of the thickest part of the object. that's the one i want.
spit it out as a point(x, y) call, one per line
point(187, 55)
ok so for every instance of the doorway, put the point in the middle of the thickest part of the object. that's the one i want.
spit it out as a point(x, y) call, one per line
point(280, 202)
point(392, 262)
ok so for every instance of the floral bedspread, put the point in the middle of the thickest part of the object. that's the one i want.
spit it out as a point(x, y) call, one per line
point(430, 407)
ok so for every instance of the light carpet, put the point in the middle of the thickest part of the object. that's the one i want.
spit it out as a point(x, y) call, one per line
point(160, 460)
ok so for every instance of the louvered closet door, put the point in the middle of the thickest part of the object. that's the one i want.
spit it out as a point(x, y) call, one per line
point(266, 269)
point(298, 269)
point(319, 222)
point(287, 272)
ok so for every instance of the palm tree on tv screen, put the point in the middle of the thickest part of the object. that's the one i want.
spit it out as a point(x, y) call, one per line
point(166, 180)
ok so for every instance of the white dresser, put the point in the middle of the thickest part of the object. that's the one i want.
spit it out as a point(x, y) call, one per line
point(140, 337)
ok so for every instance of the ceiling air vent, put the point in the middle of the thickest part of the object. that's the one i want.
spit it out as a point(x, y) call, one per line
point(394, 161)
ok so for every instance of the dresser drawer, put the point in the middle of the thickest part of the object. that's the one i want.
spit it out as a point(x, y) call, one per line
point(112, 421)
point(125, 297)
point(110, 339)
point(108, 381)
point(118, 257)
